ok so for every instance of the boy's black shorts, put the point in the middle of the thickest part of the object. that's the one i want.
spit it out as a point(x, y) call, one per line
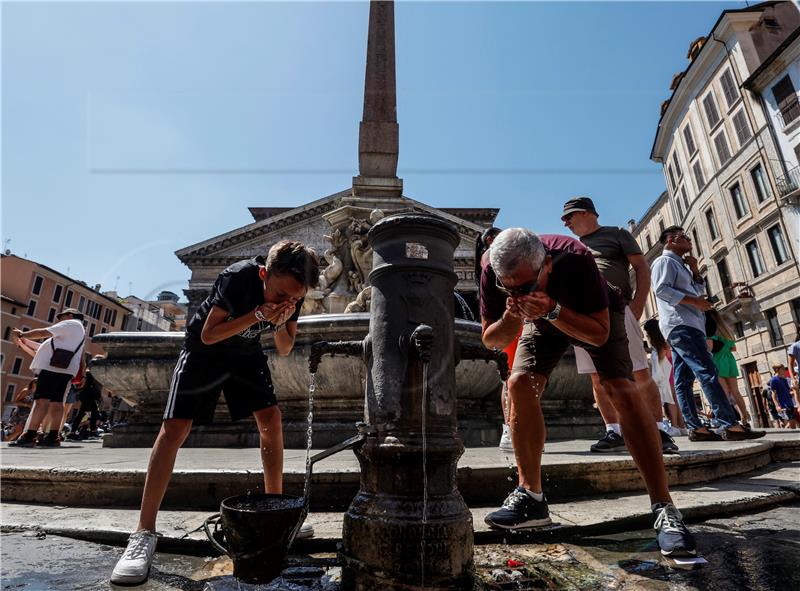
point(198, 379)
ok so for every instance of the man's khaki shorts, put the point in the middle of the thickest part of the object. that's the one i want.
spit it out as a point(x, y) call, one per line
point(541, 347)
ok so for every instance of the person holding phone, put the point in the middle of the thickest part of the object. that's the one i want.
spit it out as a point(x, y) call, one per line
point(550, 287)
point(681, 300)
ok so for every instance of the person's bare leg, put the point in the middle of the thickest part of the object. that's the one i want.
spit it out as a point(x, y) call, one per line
point(67, 409)
point(270, 433)
point(732, 387)
point(55, 410)
point(159, 470)
point(527, 427)
point(681, 423)
point(39, 412)
point(642, 439)
point(649, 393)
point(603, 402)
point(674, 415)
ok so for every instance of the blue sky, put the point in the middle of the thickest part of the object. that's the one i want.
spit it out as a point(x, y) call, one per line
point(131, 130)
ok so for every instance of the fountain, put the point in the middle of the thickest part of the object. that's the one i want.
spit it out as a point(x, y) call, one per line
point(408, 527)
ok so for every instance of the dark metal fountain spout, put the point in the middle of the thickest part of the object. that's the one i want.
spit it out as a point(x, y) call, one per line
point(475, 351)
point(347, 348)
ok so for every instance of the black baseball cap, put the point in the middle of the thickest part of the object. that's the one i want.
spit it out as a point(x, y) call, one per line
point(579, 204)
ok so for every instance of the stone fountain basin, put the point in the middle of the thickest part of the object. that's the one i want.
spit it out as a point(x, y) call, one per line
point(139, 368)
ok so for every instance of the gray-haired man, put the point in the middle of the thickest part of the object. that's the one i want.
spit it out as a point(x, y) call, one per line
point(552, 286)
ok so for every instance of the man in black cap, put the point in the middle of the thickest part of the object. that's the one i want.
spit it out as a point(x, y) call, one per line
point(56, 362)
point(615, 251)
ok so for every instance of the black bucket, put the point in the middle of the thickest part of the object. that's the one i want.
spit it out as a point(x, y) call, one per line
point(258, 530)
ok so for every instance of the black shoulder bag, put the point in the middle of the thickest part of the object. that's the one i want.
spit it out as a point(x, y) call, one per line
point(61, 358)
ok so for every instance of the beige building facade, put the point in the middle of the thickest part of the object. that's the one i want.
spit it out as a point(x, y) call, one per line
point(723, 168)
point(32, 295)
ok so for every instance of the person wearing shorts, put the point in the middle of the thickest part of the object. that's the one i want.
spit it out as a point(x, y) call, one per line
point(52, 380)
point(222, 354)
point(550, 286)
point(615, 251)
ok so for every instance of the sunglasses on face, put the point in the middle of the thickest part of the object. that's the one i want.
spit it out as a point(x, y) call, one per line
point(519, 290)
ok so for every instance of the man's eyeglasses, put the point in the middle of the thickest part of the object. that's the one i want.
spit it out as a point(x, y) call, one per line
point(679, 236)
point(519, 290)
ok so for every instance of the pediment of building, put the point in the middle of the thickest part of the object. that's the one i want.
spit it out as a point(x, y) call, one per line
point(312, 223)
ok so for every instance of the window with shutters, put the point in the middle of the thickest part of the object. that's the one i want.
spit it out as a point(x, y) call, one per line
point(742, 128)
point(687, 135)
point(760, 183)
point(68, 298)
point(729, 88)
point(671, 174)
point(724, 275)
point(680, 207)
point(697, 169)
point(754, 256)
point(685, 199)
point(775, 332)
point(711, 222)
point(710, 107)
point(676, 164)
point(778, 244)
point(721, 143)
point(786, 97)
point(37, 285)
point(739, 201)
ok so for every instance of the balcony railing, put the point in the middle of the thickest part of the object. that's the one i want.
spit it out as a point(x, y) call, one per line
point(789, 183)
point(789, 111)
point(738, 291)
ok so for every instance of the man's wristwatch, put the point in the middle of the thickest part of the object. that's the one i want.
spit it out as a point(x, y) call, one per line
point(553, 314)
point(260, 316)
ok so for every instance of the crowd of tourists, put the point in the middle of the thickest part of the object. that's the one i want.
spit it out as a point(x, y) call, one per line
point(542, 294)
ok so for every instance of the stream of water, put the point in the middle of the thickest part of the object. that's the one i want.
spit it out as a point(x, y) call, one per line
point(424, 467)
point(312, 386)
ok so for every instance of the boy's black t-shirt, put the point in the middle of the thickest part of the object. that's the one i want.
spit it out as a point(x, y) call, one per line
point(237, 290)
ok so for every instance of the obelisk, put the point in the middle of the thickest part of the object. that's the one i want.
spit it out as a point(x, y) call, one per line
point(379, 133)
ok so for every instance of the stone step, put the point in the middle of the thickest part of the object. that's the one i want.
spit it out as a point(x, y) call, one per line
point(89, 475)
point(182, 531)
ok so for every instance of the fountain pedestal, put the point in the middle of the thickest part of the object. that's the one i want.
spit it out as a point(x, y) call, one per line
point(408, 527)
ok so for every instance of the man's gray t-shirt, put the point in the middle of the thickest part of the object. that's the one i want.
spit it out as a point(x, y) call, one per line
point(610, 247)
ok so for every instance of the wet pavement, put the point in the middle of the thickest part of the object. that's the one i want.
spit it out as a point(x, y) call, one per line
point(758, 551)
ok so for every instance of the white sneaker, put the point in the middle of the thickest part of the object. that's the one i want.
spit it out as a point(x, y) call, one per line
point(506, 444)
point(134, 566)
point(306, 531)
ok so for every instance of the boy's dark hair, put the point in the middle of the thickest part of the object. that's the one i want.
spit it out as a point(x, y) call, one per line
point(288, 257)
point(667, 232)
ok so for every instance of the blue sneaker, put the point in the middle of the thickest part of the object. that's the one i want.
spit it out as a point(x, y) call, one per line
point(520, 511)
point(673, 537)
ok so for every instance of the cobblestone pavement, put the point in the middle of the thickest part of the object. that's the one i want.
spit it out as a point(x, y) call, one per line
point(758, 552)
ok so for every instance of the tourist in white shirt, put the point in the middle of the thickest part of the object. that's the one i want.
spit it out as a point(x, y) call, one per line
point(63, 340)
